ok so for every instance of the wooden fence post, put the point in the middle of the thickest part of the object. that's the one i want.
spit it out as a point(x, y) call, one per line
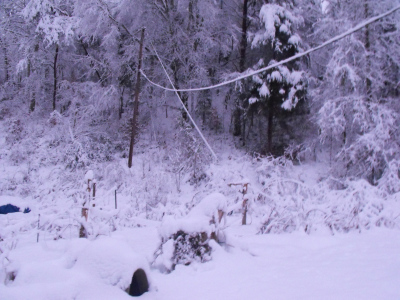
point(38, 223)
point(94, 194)
point(245, 201)
point(244, 205)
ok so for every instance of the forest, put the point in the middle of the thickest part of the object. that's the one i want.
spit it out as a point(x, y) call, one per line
point(187, 129)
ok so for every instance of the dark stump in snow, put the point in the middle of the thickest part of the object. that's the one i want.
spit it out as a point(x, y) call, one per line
point(139, 284)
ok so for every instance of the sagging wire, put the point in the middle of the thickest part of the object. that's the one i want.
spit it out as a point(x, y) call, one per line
point(252, 73)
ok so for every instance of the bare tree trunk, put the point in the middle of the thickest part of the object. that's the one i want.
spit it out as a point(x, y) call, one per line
point(29, 68)
point(32, 95)
point(6, 63)
point(55, 78)
point(238, 113)
point(91, 63)
point(191, 15)
point(243, 42)
point(136, 105)
point(32, 105)
point(270, 129)
point(368, 81)
point(121, 103)
point(367, 48)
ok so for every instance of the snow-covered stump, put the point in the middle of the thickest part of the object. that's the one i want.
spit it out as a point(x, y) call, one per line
point(186, 240)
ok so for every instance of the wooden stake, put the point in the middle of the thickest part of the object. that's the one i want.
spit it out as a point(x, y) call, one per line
point(244, 215)
point(94, 194)
point(38, 224)
point(136, 105)
point(82, 230)
point(115, 199)
point(245, 201)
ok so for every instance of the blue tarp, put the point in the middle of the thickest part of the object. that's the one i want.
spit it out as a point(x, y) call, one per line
point(9, 208)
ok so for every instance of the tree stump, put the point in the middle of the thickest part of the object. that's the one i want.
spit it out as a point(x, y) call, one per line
point(139, 284)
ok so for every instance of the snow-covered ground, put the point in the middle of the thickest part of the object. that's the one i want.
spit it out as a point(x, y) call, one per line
point(324, 237)
point(290, 266)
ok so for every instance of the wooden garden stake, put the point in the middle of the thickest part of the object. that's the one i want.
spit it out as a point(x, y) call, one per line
point(38, 224)
point(82, 230)
point(244, 205)
point(245, 200)
point(94, 194)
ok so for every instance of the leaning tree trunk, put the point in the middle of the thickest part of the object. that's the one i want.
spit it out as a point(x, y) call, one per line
point(134, 131)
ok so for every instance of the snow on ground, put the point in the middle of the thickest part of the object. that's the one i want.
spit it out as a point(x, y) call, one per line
point(344, 255)
point(250, 266)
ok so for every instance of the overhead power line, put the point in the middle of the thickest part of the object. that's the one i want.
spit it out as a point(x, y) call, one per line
point(184, 107)
point(252, 73)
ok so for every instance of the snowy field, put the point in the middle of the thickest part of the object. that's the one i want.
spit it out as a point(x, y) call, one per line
point(324, 238)
point(249, 266)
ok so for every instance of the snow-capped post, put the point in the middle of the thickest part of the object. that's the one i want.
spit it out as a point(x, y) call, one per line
point(115, 199)
point(89, 180)
point(134, 130)
point(82, 230)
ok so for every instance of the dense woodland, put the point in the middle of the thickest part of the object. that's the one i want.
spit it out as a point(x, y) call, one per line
point(69, 83)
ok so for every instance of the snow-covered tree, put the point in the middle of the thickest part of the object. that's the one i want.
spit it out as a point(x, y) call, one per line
point(194, 42)
point(357, 111)
point(53, 27)
point(276, 92)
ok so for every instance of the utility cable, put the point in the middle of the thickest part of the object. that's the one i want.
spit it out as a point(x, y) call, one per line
point(249, 74)
point(183, 105)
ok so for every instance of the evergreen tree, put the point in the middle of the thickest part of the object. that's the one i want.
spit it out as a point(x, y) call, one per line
point(275, 94)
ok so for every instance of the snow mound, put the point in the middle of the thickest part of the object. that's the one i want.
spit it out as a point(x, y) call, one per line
point(112, 261)
point(75, 269)
point(202, 218)
point(187, 240)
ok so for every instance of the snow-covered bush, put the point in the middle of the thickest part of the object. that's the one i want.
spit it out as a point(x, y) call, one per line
point(189, 247)
point(290, 204)
point(189, 154)
point(187, 240)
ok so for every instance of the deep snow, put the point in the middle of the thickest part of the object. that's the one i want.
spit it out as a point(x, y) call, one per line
point(344, 255)
point(250, 266)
